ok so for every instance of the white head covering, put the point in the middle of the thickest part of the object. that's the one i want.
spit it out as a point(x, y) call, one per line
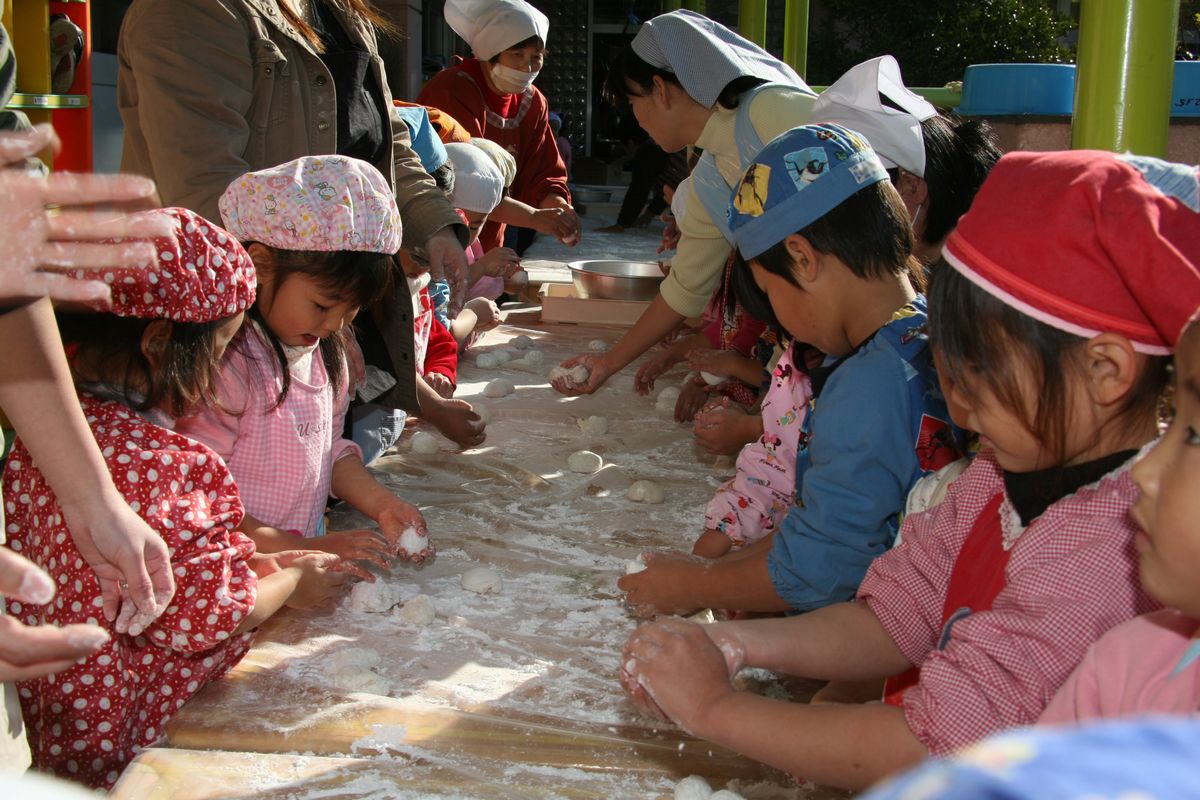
point(705, 55)
point(503, 159)
point(491, 26)
point(478, 182)
point(855, 101)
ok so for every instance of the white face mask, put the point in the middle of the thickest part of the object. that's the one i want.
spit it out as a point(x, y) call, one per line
point(511, 81)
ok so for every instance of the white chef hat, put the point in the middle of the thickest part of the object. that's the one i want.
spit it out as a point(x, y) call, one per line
point(491, 26)
point(857, 101)
point(478, 182)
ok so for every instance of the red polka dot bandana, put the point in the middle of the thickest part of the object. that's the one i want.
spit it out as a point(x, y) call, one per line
point(201, 274)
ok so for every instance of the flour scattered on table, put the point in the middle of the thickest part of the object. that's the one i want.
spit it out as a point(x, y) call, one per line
point(595, 426)
point(424, 443)
point(584, 461)
point(374, 598)
point(646, 492)
point(499, 388)
point(482, 580)
point(417, 610)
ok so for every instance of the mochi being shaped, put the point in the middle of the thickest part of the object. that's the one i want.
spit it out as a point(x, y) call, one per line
point(595, 426)
point(584, 461)
point(646, 492)
point(575, 376)
point(424, 443)
point(666, 398)
point(482, 580)
point(499, 388)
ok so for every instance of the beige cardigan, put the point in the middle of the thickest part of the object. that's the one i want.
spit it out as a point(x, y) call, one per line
point(211, 89)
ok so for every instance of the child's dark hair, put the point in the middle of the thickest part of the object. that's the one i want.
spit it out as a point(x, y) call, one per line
point(959, 153)
point(980, 340)
point(629, 68)
point(532, 41)
point(351, 276)
point(869, 232)
point(111, 349)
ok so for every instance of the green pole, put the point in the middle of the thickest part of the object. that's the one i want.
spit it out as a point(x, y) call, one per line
point(670, 5)
point(752, 20)
point(699, 6)
point(795, 35)
point(1123, 82)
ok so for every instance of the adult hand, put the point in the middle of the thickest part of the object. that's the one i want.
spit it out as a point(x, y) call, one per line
point(683, 672)
point(322, 579)
point(27, 653)
point(39, 245)
point(567, 227)
point(499, 262)
point(398, 516)
point(448, 261)
point(455, 420)
point(130, 559)
point(663, 587)
point(598, 372)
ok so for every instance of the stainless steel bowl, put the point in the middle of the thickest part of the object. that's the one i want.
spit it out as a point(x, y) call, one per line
point(616, 280)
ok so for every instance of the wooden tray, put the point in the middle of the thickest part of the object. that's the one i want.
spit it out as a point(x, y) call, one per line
point(559, 304)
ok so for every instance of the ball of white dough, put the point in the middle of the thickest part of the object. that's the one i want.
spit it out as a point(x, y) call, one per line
point(584, 461)
point(499, 388)
point(486, 361)
point(374, 598)
point(417, 610)
point(597, 345)
point(645, 492)
point(594, 425)
point(693, 787)
point(484, 413)
point(412, 542)
point(725, 794)
point(481, 580)
point(533, 357)
point(522, 342)
point(574, 376)
point(502, 356)
point(424, 442)
point(666, 398)
point(710, 378)
point(634, 566)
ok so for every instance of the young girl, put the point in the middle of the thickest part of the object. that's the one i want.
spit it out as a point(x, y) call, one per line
point(153, 357)
point(1152, 664)
point(692, 81)
point(322, 232)
point(994, 594)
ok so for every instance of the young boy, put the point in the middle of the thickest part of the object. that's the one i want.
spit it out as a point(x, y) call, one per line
point(823, 225)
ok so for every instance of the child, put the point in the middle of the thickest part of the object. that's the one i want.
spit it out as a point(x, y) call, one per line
point(322, 232)
point(479, 186)
point(152, 361)
point(994, 594)
point(828, 240)
point(1152, 664)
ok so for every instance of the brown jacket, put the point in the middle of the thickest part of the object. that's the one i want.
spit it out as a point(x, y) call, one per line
point(211, 89)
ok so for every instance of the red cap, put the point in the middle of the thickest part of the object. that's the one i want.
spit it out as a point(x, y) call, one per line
point(1088, 242)
point(201, 274)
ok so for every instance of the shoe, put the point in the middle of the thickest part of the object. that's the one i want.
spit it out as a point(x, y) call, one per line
point(66, 49)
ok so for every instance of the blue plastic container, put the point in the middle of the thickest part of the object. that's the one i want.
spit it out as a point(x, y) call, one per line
point(1018, 89)
point(1185, 92)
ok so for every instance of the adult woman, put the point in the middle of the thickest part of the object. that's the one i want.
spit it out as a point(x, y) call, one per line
point(492, 95)
point(212, 89)
point(692, 81)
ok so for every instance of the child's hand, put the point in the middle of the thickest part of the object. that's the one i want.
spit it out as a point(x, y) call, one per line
point(487, 313)
point(455, 420)
point(598, 372)
point(682, 670)
point(692, 398)
point(670, 234)
point(499, 262)
point(397, 517)
point(722, 427)
point(718, 362)
point(321, 581)
point(662, 587)
point(356, 545)
point(657, 364)
point(440, 384)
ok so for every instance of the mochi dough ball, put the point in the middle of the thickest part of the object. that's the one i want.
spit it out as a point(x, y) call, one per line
point(584, 461)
